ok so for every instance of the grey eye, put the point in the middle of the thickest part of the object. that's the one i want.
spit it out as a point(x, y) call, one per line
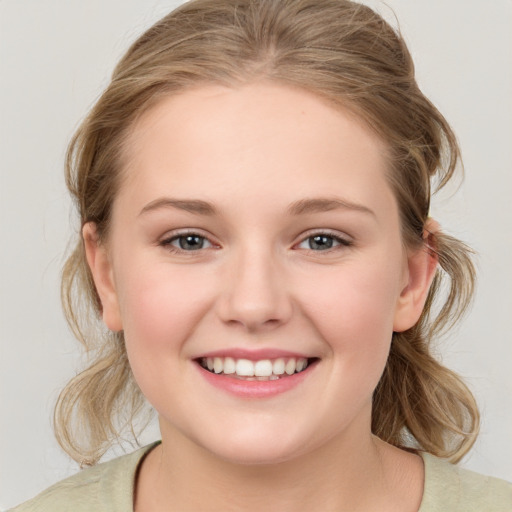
point(189, 242)
point(320, 242)
point(323, 242)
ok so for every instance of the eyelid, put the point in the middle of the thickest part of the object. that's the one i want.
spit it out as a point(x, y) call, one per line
point(184, 231)
point(165, 241)
point(170, 236)
point(344, 239)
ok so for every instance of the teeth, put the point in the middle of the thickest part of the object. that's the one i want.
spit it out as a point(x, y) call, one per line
point(229, 365)
point(244, 368)
point(264, 369)
point(218, 365)
point(278, 367)
point(290, 366)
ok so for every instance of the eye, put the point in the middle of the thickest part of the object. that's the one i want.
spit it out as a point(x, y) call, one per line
point(187, 242)
point(323, 242)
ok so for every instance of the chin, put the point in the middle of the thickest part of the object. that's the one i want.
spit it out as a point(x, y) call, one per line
point(257, 456)
point(256, 448)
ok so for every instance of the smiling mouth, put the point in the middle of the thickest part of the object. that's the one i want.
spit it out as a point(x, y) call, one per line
point(261, 370)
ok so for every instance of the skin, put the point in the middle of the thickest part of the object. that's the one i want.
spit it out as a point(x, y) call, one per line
point(258, 284)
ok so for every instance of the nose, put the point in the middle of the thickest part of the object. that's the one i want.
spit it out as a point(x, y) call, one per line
point(254, 292)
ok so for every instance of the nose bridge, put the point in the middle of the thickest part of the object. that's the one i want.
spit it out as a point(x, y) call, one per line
point(255, 294)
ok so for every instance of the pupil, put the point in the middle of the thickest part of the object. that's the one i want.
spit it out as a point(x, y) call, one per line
point(191, 242)
point(320, 242)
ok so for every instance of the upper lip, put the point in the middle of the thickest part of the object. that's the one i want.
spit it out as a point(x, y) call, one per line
point(255, 354)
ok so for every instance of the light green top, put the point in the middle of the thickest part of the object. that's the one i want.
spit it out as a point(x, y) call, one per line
point(109, 487)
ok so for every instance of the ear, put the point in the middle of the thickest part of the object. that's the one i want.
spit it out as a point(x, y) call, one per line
point(101, 270)
point(420, 271)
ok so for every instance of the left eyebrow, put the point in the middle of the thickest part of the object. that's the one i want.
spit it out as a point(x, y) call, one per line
point(321, 204)
point(189, 205)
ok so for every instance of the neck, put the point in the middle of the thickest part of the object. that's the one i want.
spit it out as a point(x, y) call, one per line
point(351, 472)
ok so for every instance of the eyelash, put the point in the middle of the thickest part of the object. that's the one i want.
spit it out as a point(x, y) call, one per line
point(342, 242)
point(167, 242)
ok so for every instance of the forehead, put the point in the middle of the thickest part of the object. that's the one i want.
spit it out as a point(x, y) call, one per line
point(252, 141)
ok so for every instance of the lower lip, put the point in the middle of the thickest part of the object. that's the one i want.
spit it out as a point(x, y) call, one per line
point(255, 388)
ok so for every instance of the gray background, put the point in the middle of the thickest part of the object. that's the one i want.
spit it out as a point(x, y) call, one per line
point(56, 57)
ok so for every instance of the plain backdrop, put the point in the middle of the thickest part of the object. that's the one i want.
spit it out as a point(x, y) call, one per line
point(56, 56)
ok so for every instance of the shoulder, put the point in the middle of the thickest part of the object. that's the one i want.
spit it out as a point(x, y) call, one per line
point(454, 489)
point(105, 487)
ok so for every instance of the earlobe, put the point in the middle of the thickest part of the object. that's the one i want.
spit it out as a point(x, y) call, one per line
point(421, 269)
point(101, 270)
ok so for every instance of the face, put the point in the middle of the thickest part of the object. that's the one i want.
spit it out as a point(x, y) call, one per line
point(256, 267)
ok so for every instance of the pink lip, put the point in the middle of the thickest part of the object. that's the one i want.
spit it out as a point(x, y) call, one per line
point(254, 355)
point(255, 388)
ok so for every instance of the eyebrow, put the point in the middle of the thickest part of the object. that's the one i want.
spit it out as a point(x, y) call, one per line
point(321, 204)
point(188, 205)
point(301, 207)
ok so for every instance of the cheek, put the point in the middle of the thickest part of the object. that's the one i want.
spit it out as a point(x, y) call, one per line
point(161, 306)
point(355, 313)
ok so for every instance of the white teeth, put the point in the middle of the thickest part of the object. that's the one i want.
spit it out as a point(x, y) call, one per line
point(290, 366)
point(278, 366)
point(264, 369)
point(218, 365)
point(244, 368)
point(229, 365)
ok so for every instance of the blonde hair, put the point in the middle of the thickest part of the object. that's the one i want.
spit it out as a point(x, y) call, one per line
point(347, 54)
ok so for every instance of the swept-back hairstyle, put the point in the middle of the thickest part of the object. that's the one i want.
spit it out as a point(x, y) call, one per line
point(346, 54)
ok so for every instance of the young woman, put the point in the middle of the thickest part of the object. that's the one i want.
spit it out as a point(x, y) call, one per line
point(254, 190)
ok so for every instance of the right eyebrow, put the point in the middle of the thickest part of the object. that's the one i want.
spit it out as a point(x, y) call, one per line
point(189, 205)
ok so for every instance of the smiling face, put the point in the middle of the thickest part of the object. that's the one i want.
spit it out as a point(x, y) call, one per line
point(255, 231)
